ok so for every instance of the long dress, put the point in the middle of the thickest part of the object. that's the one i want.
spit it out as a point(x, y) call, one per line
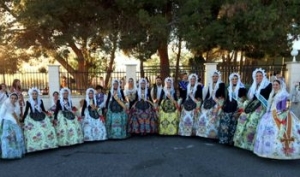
point(189, 114)
point(38, 129)
point(143, 117)
point(208, 122)
point(247, 122)
point(278, 134)
point(295, 101)
point(93, 127)
point(11, 135)
point(68, 128)
point(168, 118)
point(116, 118)
point(228, 119)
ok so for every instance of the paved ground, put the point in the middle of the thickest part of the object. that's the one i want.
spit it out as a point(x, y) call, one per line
point(148, 156)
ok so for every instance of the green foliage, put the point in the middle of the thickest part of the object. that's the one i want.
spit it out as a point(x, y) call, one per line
point(89, 32)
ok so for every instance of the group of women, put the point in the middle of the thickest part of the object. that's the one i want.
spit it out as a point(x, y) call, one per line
point(257, 120)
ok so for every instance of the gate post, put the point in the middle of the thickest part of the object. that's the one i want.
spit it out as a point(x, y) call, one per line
point(209, 69)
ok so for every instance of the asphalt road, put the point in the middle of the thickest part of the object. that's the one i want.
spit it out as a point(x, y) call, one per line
point(149, 156)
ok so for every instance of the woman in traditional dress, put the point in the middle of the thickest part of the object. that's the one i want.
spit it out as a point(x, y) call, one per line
point(208, 123)
point(157, 92)
point(131, 92)
point(169, 110)
point(68, 128)
point(295, 100)
point(38, 129)
point(55, 98)
point(258, 95)
point(101, 98)
point(236, 96)
point(11, 135)
point(116, 117)
point(3, 94)
point(277, 135)
point(93, 127)
point(190, 108)
point(142, 117)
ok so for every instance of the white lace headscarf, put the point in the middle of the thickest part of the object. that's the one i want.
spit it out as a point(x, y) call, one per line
point(264, 83)
point(211, 83)
point(127, 85)
point(239, 85)
point(33, 104)
point(112, 89)
point(172, 90)
point(61, 93)
point(280, 95)
point(140, 89)
point(189, 87)
point(87, 98)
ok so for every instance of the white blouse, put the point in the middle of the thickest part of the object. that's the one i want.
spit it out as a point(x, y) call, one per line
point(7, 110)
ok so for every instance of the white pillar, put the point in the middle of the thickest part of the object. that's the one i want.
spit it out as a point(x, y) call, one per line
point(293, 74)
point(53, 77)
point(130, 72)
point(209, 69)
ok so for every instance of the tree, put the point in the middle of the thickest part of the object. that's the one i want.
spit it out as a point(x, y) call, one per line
point(58, 28)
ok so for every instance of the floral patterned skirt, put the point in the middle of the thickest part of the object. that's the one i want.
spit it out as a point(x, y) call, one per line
point(142, 121)
point(168, 123)
point(93, 129)
point(227, 128)
point(270, 140)
point(208, 121)
point(69, 132)
point(187, 123)
point(11, 140)
point(39, 135)
point(246, 128)
point(116, 125)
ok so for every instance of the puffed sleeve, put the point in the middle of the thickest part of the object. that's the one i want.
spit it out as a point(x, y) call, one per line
point(242, 92)
point(26, 110)
point(221, 91)
point(198, 94)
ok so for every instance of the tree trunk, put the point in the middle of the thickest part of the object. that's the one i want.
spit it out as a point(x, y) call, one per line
point(177, 62)
point(111, 61)
point(81, 75)
point(164, 60)
point(142, 68)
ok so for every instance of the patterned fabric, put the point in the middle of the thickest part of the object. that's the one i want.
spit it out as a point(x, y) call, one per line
point(39, 135)
point(168, 119)
point(246, 129)
point(116, 125)
point(69, 132)
point(93, 129)
point(187, 123)
point(142, 121)
point(273, 139)
point(208, 123)
point(227, 128)
point(11, 140)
